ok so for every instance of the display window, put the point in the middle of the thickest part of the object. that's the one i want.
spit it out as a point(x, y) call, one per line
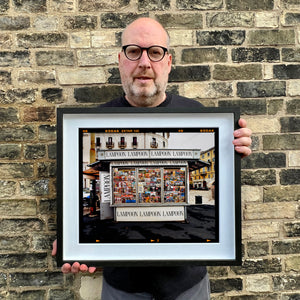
point(144, 185)
point(150, 185)
point(174, 185)
point(124, 185)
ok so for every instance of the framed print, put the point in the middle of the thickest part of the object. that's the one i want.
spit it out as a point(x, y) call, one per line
point(148, 186)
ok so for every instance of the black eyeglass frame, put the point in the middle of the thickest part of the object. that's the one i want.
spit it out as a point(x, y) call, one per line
point(147, 50)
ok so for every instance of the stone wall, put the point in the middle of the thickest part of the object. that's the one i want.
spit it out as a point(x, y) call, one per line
point(55, 52)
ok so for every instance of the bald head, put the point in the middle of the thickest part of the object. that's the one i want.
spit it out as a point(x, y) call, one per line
point(143, 28)
point(144, 80)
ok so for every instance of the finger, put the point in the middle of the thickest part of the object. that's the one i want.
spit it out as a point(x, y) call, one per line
point(243, 141)
point(242, 132)
point(54, 248)
point(245, 151)
point(92, 269)
point(242, 123)
point(66, 268)
point(83, 268)
point(75, 267)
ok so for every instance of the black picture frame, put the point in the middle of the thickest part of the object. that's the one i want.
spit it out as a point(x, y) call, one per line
point(120, 240)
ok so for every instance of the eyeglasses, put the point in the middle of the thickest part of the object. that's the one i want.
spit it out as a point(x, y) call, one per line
point(134, 52)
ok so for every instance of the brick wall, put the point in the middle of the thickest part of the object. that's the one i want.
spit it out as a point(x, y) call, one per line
point(55, 52)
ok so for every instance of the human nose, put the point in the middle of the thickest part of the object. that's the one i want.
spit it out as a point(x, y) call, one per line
point(144, 60)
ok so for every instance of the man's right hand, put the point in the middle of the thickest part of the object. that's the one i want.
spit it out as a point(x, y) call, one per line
point(76, 267)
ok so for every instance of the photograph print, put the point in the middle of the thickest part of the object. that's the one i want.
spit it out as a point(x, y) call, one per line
point(147, 185)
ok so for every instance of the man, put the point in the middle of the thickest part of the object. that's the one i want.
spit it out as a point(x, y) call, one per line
point(144, 65)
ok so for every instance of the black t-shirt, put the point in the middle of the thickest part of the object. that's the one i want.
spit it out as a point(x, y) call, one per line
point(165, 283)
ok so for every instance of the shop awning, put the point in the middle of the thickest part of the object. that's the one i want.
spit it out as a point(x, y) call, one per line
point(194, 164)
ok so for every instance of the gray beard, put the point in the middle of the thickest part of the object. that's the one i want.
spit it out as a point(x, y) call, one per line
point(141, 98)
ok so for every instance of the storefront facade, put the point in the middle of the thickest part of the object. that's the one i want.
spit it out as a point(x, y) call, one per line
point(147, 185)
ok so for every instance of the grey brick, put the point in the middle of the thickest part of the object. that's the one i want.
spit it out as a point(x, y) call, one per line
point(7, 188)
point(274, 106)
point(27, 295)
point(43, 242)
point(290, 296)
point(289, 176)
point(114, 20)
point(224, 37)
point(47, 132)
point(14, 243)
point(5, 77)
point(97, 94)
point(37, 77)
point(100, 5)
point(10, 151)
point(259, 177)
point(285, 247)
point(3, 278)
point(150, 5)
point(281, 193)
point(20, 207)
point(35, 151)
point(281, 142)
point(53, 95)
point(18, 96)
point(9, 115)
point(224, 285)
point(51, 58)
point(292, 19)
point(15, 59)
point(14, 23)
point(16, 170)
point(290, 124)
point(203, 55)
point(286, 282)
point(52, 151)
point(184, 20)
point(35, 260)
point(290, 54)
point(247, 106)
point(290, 4)
point(36, 279)
point(263, 160)
point(230, 19)
point(256, 249)
point(258, 266)
point(41, 40)
point(271, 37)
point(32, 6)
point(80, 22)
point(287, 71)
point(114, 77)
point(293, 106)
point(292, 229)
point(47, 206)
point(21, 225)
point(255, 54)
point(46, 169)
point(35, 187)
point(18, 133)
point(261, 89)
point(191, 73)
point(61, 295)
point(199, 4)
point(255, 297)
point(245, 72)
point(4, 6)
point(250, 4)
